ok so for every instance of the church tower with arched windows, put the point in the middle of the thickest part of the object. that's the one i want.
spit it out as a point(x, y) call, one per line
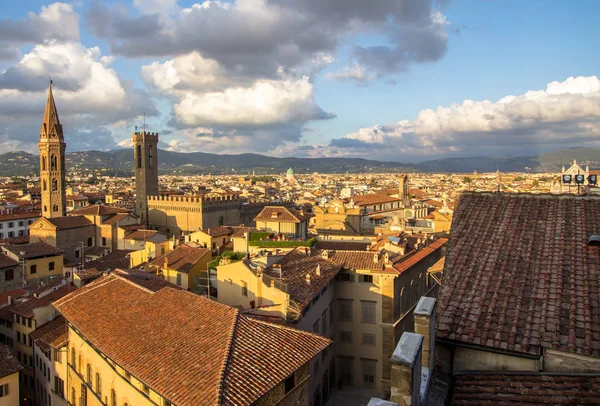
point(52, 161)
point(145, 156)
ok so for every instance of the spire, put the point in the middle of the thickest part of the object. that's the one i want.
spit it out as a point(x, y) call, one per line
point(51, 122)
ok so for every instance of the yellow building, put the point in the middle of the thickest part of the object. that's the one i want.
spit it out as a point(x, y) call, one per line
point(183, 266)
point(39, 261)
point(224, 238)
point(9, 378)
point(138, 346)
point(282, 220)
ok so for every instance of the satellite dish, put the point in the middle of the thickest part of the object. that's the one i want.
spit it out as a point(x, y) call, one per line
point(579, 179)
point(63, 281)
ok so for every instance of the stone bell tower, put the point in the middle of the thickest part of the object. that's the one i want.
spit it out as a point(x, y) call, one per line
point(52, 161)
point(146, 171)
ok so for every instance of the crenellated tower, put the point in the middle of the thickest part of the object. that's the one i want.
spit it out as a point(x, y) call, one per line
point(146, 171)
point(52, 161)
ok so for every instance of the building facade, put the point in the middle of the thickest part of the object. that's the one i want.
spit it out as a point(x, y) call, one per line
point(52, 161)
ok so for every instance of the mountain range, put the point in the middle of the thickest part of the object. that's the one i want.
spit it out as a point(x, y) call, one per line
point(119, 163)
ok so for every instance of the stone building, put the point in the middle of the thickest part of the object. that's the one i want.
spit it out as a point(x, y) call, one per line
point(52, 161)
point(145, 155)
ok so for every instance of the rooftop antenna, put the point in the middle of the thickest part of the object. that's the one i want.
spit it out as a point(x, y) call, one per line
point(144, 121)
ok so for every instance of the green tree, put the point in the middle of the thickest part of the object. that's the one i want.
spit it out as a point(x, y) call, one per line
point(467, 179)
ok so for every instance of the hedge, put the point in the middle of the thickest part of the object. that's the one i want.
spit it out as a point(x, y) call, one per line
point(283, 244)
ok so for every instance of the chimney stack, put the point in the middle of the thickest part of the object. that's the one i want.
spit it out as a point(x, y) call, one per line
point(406, 370)
point(308, 279)
point(318, 271)
point(425, 325)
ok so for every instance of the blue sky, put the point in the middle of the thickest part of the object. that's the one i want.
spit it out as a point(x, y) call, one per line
point(320, 91)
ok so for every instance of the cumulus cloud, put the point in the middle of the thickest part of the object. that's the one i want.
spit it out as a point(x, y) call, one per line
point(564, 113)
point(90, 96)
point(353, 72)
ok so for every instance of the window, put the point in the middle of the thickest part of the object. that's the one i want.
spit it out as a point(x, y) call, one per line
point(347, 370)
point(345, 309)
point(54, 185)
point(369, 339)
point(44, 163)
point(366, 278)
point(113, 398)
point(21, 223)
point(80, 363)
point(146, 390)
point(73, 358)
point(127, 375)
point(346, 337)
point(244, 289)
point(11, 234)
point(150, 163)
point(178, 279)
point(139, 156)
point(368, 370)
point(59, 386)
point(367, 312)
point(44, 185)
point(324, 322)
point(90, 241)
point(53, 165)
point(316, 327)
point(346, 277)
point(290, 383)
point(1, 234)
point(104, 241)
point(221, 221)
point(28, 322)
point(98, 384)
point(51, 266)
point(9, 274)
point(11, 224)
point(89, 374)
point(77, 253)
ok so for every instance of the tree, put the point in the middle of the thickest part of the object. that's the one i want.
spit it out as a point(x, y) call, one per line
point(467, 179)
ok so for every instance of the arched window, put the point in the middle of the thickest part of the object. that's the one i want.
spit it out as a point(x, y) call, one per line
point(113, 398)
point(89, 241)
point(73, 358)
point(401, 301)
point(44, 163)
point(221, 220)
point(150, 156)
point(98, 384)
point(89, 374)
point(54, 185)
point(9, 274)
point(80, 364)
point(55, 207)
point(53, 165)
point(45, 209)
point(139, 156)
point(44, 185)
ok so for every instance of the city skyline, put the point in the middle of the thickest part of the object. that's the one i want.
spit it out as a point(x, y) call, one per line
point(304, 79)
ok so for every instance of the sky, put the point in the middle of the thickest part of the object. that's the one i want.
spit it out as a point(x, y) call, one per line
point(393, 80)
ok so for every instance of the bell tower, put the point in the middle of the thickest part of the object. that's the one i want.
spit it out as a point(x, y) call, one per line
point(52, 161)
point(146, 171)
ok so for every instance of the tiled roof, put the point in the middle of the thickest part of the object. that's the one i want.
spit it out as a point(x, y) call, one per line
point(151, 335)
point(294, 268)
point(279, 213)
point(13, 294)
point(70, 221)
point(239, 231)
point(415, 257)
point(374, 198)
point(515, 389)
point(218, 231)
point(88, 274)
point(112, 260)
point(26, 308)
point(519, 275)
point(115, 218)
point(6, 261)
point(145, 279)
point(364, 260)
point(98, 210)
point(33, 250)
point(8, 363)
point(181, 258)
point(51, 334)
point(140, 235)
point(342, 245)
point(20, 215)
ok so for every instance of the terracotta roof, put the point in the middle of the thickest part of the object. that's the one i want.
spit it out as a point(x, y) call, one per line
point(33, 250)
point(20, 215)
point(519, 275)
point(26, 308)
point(77, 197)
point(294, 268)
point(364, 260)
point(526, 389)
point(6, 261)
point(418, 193)
point(145, 279)
point(415, 257)
point(70, 221)
point(181, 258)
point(132, 227)
point(438, 266)
point(152, 334)
point(88, 274)
point(115, 218)
point(8, 363)
point(218, 231)
point(52, 334)
point(239, 231)
point(112, 260)
point(140, 235)
point(279, 213)
point(98, 210)
point(374, 198)
point(342, 245)
point(13, 294)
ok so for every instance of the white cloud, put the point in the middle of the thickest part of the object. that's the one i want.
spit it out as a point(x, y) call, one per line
point(354, 71)
point(56, 22)
point(564, 113)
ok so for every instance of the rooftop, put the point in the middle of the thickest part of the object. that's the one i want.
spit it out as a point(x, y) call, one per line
point(8, 363)
point(33, 250)
point(222, 356)
point(181, 258)
point(69, 222)
point(280, 214)
point(520, 276)
point(98, 210)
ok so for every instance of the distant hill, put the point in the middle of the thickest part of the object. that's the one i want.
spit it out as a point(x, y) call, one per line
point(119, 162)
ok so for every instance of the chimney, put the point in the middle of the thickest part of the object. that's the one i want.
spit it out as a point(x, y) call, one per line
point(325, 254)
point(308, 279)
point(406, 370)
point(166, 262)
point(424, 315)
point(376, 257)
point(318, 271)
point(278, 268)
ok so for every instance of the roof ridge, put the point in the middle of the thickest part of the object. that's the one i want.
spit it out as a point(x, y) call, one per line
point(225, 365)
